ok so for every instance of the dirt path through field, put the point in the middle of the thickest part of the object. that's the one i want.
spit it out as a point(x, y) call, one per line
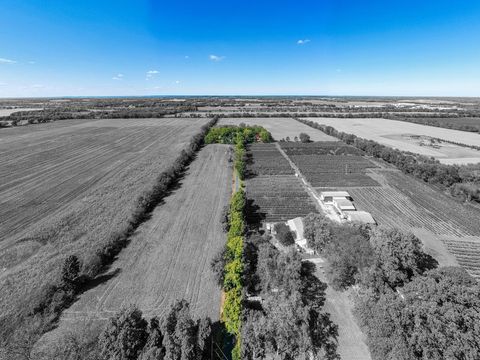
point(169, 257)
point(351, 340)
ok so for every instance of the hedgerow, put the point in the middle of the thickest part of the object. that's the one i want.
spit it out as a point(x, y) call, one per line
point(232, 277)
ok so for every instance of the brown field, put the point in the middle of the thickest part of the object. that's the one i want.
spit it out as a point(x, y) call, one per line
point(389, 132)
point(66, 186)
point(280, 127)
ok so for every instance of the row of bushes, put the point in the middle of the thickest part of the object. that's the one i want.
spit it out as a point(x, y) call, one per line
point(45, 307)
point(232, 282)
point(422, 167)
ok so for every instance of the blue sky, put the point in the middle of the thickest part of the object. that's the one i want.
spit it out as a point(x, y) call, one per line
point(60, 48)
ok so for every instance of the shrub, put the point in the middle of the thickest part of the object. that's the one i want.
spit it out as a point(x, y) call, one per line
point(304, 138)
point(284, 235)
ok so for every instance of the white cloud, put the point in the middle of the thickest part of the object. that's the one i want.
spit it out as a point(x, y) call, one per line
point(118, 77)
point(303, 41)
point(216, 58)
point(37, 86)
point(151, 74)
point(177, 81)
point(7, 61)
point(31, 62)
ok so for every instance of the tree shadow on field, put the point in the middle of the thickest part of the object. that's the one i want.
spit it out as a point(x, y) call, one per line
point(254, 216)
point(104, 277)
point(221, 343)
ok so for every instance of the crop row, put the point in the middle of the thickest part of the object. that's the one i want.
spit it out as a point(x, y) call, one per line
point(319, 148)
point(265, 159)
point(277, 198)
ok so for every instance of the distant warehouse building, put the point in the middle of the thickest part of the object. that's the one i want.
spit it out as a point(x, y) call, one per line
point(343, 205)
point(328, 196)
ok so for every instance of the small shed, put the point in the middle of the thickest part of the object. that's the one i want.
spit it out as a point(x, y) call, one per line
point(361, 217)
point(343, 204)
point(329, 196)
point(296, 225)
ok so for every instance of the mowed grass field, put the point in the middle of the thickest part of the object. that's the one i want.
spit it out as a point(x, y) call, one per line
point(169, 257)
point(386, 132)
point(67, 186)
point(281, 127)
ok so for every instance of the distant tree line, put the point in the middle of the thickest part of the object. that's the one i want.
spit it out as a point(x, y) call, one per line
point(48, 115)
point(421, 167)
point(39, 313)
point(407, 307)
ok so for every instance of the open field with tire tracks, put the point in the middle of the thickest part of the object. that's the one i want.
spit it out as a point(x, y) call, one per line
point(169, 257)
point(66, 186)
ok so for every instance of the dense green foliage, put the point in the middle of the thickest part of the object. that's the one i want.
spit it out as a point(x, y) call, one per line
point(233, 265)
point(231, 134)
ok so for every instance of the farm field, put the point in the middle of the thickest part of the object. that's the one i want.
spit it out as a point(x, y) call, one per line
point(275, 198)
point(281, 127)
point(330, 164)
point(388, 132)
point(445, 227)
point(169, 256)
point(273, 192)
point(264, 159)
point(67, 186)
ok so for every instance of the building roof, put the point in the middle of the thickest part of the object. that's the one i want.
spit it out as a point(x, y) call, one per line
point(361, 217)
point(334, 194)
point(344, 204)
point(296, 225)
